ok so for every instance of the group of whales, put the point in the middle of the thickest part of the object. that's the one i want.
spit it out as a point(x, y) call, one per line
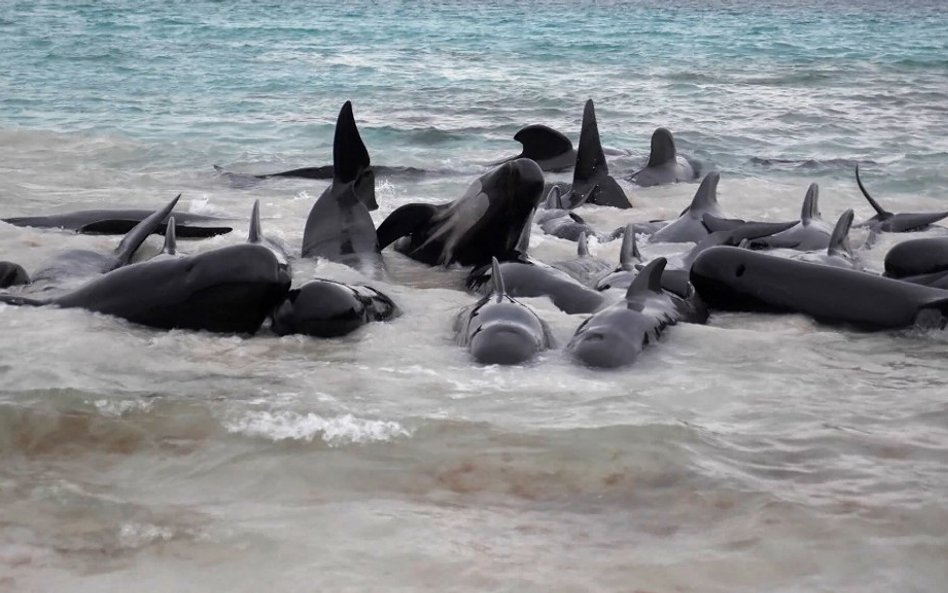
point(236, 289)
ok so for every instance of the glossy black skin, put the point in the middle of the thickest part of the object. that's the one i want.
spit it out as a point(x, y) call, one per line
point(935, 280)
point(734, 279)
point(591, 179)
point(328, 309)
point(500, 330)
point(12, 274)
point(227, 290)
point(486, 222)
point(528, 279)
point(549, 148)
point(916, 257)
point(326, 172)
point(617, 335)
point(339, 226)
point(119, 222)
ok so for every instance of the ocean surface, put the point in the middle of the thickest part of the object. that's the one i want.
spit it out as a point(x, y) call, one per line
point(757, 453)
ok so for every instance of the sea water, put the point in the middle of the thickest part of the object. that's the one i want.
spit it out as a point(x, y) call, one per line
point(757, 453)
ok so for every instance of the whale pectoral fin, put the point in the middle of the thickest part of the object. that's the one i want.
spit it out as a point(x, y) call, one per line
point(112, 226)
point(141, 231)
point(715, 223)
point(902, 223)
point(18, 301)
point(404, 221)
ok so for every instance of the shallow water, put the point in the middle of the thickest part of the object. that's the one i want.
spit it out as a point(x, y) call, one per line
point(755, 453)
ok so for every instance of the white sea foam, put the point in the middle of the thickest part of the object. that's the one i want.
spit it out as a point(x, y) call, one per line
point(334, 431)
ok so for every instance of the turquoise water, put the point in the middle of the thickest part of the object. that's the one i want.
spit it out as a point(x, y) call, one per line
point(447, 82)
point(757, 453)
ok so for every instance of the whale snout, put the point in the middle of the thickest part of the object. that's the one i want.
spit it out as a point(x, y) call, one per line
point(603, 348)
point(504, 344)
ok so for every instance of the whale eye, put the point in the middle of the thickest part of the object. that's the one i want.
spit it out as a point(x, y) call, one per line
point(740, 270)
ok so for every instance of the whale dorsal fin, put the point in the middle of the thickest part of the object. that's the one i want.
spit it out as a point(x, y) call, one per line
point(811, 204)
point(256, 233)
point(663, 148)
point(839, 240)
point(542, 142)
point(590, 159)
point(349, 155)
point(500, 291)
point(582, 245)
point(882, 212)
point(629, 252)
point(135, 237)
point(706, 198)
point(171, 243)
point(648, 280)
point(554, 199)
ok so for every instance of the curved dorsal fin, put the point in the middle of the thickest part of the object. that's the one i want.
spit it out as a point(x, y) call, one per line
point(839, 240)
point(542, 142)
point(582, 245)
point(500, 291)
point(649, 279)
point(590, 159)
point(349, 155)
point(554, 199)
point(663, 148)
point(256, 233)
point(629, 252)
point(706, 198)
point(135, 237)
point(811, 204)
point(882, 212)
point(171, 243)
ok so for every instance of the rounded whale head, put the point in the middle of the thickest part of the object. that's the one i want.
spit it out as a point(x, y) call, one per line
point(604, 341)
point(320, 308)
point(731, 278)
point(505, 332)
point(522, 179)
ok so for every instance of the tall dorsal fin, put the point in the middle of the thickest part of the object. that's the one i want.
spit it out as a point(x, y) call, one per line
point(811, 204)
point(882, 212)
point(135, 237)
point(582, 245)
point(256, 233)
point(542, 142)
point(649, 279)
point(706, 198)
point(590, 159)
point(171, 243)
point(523, 242)
point(500, 291)
point(663, 148)
point(554, 199)
point(349, 155)
point(629, 252)
point(839, 240)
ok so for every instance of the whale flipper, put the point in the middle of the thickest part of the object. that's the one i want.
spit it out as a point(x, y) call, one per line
point(591, 180)
point(135, 237)
point(404, 221)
